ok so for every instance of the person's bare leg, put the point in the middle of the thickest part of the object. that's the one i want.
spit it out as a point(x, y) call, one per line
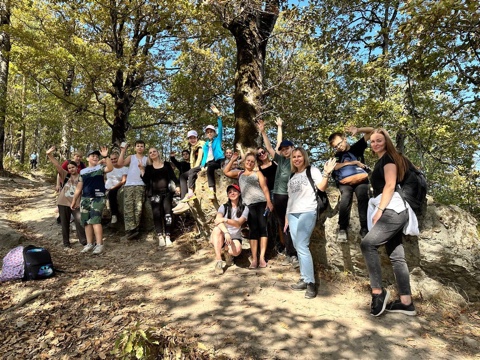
point(263, 249)
point(254, 250)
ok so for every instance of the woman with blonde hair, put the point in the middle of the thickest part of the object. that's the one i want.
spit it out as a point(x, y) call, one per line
point(388, 216)
point(256, 196)
point(302, 213)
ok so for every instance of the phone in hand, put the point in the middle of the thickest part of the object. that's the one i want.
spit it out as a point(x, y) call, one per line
point(123, 144)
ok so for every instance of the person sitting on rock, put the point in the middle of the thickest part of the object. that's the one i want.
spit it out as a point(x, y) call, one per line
point(212, 152)
point(187, 179)
point(227, 234)
point(349, 158)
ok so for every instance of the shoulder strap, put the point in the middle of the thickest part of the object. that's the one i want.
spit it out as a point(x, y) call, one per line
point(309, 175)
point(66, 180)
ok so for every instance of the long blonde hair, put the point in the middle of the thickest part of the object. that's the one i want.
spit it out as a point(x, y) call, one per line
point(400, 161)
point(306, 159)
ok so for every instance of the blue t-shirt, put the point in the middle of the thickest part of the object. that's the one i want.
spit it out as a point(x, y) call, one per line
point(93, 183)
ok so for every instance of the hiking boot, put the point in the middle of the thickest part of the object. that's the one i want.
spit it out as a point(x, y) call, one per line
point(379, 302)
point(87, 248)
point(398, 307)
point(295, 263)
point(363, 232)
point(98, 250)
point(342, 236)
point(161, 240)
point(228, 258)
point(287, 261)
point(311, 291)
point(168, 242)
point(299, 286)
point(180, 208)
point(219, 267)
point(114, 219)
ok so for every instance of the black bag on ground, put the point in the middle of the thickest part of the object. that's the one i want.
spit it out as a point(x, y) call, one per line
point(38, 263)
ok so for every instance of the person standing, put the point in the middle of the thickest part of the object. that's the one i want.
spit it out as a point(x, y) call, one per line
point(389, 215)
point(184, 165)
point(134, 188)
point(157, 176)
point(33, 160)
point(348, 157)
point(69, 180)
point(256, 196)
point(115, 180)
point(302, 214)
point(91, 188)
point(280, 192)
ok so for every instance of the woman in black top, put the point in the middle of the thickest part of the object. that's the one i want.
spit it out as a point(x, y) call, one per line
point(267, 167)
point(157, 176)
point(389, 218)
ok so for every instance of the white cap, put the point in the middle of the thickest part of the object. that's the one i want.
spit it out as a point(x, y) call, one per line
point(192, 133)
point(209, 127)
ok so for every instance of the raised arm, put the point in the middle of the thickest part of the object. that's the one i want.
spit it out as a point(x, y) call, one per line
point(121, 158)
point(327, 170)
point(228, 169)
point(108, 161)
point(219, 121)
point(266, 140)
point(367, 131)
point(61, 171)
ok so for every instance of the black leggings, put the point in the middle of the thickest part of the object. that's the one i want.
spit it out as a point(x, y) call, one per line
point(211, 167)
point(112, 199)
point(162, 213)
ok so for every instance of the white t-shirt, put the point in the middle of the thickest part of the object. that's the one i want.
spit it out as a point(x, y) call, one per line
point(133, 175)
point(115, 176)
point(235, 233)
point(301, 197)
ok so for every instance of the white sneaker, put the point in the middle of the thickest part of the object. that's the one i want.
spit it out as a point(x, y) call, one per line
point(87, 248)
point(114, 219)
point(98, 249)
point(168, 242)
point(181, 208)
point(161, 240)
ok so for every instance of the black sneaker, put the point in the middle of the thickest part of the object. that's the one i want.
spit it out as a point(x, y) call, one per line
point(363, 232)
point(379, 302)
point(311, 291)
point(299, 286)
point(398, 307)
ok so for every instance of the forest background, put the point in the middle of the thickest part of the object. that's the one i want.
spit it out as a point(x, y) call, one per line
point(79, 74)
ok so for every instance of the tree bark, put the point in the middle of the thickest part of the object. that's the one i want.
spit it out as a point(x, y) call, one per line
point(5, 47)
point(251, 30)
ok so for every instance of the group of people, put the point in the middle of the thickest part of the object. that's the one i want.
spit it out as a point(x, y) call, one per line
point(277, 180)
point(283, 181)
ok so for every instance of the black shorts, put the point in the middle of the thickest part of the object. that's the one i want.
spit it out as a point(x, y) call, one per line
point(257, 223)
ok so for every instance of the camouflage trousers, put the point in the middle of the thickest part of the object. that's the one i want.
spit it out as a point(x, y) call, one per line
point(91, 210)
point(133, 199)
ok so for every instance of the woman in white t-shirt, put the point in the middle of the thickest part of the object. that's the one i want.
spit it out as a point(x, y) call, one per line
point(227, 233)
point(302, 214)
point(115, 180)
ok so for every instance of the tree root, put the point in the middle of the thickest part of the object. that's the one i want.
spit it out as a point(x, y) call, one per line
point(24, 301)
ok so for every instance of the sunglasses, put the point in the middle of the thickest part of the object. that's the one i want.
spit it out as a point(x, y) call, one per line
point(260, 153)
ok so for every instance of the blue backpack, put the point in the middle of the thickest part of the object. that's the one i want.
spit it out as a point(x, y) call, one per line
point(350, 174)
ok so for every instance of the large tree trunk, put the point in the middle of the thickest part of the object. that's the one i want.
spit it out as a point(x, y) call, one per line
point(251, 29)
point(5, 47)
point(123, 95)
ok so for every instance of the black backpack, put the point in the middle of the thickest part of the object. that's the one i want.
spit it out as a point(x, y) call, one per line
point(413, 189)
point(38, 263)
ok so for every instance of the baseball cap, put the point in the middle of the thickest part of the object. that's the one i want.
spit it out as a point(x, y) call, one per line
point(91, 152)
point(192, 133)
point(235, 186)
point(209, 127)
point(285, 143)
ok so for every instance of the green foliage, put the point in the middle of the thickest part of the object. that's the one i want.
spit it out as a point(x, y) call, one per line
point(136, 343)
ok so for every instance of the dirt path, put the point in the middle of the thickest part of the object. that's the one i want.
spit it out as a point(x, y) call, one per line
point(242, 314)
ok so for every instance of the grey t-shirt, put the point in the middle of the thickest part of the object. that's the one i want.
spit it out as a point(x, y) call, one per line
point(252, 193)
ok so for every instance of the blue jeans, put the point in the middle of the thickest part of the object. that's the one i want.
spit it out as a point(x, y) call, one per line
point(387, 231)
point(301, 228)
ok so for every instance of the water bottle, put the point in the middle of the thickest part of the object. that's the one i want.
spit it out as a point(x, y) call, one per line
point(267, 211)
